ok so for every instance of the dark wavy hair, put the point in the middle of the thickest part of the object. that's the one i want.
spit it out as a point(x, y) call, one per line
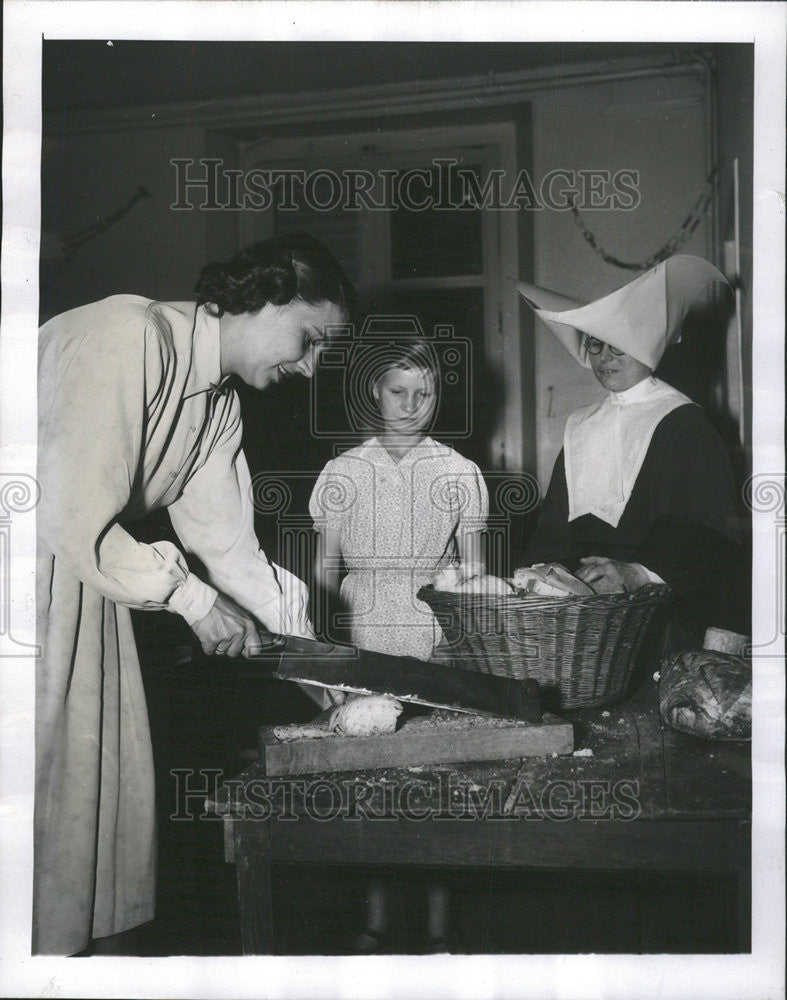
point(278, 270)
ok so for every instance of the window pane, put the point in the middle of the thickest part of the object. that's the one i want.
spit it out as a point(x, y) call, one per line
point(333, 226)
point(436, 242)
point(469, 394)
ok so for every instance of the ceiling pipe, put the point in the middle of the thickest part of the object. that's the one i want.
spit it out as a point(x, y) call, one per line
point(262, 110)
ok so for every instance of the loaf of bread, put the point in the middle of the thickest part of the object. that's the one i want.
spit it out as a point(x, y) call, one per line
point(365, 715)
point(451, 580)
point(485, 585)
point(550, 580)
point(606, 586)
point(707, 693)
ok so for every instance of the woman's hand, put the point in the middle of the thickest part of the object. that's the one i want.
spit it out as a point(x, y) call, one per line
point(226, 630)
point(610, 575)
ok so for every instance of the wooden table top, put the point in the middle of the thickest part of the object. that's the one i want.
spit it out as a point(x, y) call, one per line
point(625, 759)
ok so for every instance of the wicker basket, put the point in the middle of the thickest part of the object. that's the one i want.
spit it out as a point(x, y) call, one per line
point(582, 650)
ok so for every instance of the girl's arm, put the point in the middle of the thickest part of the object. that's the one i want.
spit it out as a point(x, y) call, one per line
point(471, 554)
point(328, 561)
point(469, 537)
point(326, 603)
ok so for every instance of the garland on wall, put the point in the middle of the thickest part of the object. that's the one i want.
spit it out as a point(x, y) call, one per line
point(72, 243)
point(62, 249)
point(673, 244)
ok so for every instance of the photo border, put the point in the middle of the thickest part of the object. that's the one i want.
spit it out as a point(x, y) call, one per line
point(719, 976)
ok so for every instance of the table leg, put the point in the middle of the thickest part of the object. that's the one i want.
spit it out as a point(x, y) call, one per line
point(251, 848)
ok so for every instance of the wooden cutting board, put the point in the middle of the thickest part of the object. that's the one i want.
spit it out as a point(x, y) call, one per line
point(421, 740)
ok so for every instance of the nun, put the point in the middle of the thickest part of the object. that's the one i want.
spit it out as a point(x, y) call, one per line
point(642, 490)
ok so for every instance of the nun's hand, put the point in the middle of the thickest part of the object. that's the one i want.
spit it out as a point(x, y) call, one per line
point(226, 630)
point(610, 575)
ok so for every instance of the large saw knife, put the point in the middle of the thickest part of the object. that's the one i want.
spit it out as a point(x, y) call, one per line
point(360, 671)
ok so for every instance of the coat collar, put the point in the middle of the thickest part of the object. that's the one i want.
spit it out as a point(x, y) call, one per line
point(639, 393)
point(205, 373)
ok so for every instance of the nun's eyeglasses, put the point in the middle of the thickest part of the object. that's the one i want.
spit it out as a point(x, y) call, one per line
point(593, 346)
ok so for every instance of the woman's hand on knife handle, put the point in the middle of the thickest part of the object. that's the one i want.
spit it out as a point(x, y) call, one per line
point(227, 629)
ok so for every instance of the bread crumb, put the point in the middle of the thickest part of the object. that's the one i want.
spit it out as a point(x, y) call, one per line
point(605, 714)
point(587, 752)
point(446, 719)
point(657, 675)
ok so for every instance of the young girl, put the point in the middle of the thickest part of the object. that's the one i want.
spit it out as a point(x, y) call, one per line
point(398, 507)
point(393, 511)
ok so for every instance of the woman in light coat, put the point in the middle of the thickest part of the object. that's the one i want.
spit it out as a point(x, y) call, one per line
point(135, 413)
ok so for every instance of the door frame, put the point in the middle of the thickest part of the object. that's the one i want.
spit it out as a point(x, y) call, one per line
point(496, 143)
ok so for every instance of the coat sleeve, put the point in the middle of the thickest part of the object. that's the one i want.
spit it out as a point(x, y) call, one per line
point(552, 541)
point(693, 539)
point(214, 518)
point(92, 393)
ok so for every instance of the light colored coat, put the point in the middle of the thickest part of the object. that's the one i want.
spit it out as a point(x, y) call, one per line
point(128, 422)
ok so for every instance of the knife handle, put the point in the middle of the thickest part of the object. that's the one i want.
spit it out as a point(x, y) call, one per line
point(269, 642)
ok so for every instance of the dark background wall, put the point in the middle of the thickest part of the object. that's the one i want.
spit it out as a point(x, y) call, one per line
point(117, 115)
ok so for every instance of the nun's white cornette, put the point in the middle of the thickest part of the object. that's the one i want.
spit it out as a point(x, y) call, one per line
point(643, 478)
point(128, 422)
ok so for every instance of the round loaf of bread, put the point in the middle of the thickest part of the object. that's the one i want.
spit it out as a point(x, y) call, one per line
point(365, 715)
point(485, 585)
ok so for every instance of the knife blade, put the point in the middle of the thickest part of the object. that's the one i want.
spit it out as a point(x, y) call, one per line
point(360, 671)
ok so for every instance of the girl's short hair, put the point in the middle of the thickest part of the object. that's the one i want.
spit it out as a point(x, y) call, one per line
point(276, 271)
point(371, 358)
point(414, 354)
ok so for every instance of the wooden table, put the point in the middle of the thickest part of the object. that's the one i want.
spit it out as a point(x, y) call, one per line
point(635, 796)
